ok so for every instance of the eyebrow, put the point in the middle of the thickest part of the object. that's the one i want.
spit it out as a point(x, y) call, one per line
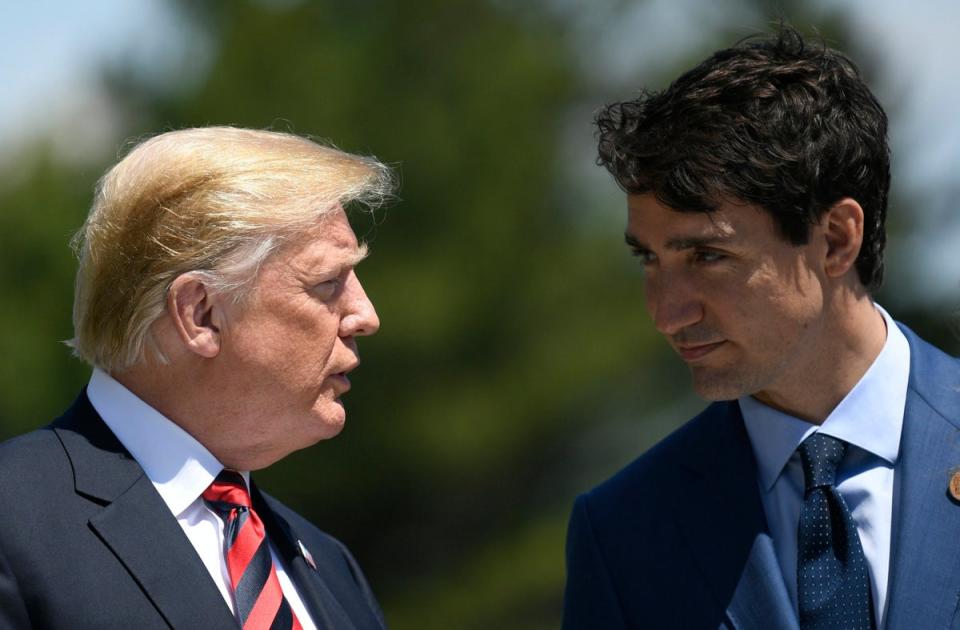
point(681, 243)
point(358, 255)
point(350, 260)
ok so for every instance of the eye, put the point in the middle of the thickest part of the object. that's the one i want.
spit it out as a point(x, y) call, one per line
point(708, 256)
point(645, 255)
point(326, 289)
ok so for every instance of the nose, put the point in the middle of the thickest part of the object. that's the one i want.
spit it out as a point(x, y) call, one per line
point(360, 317)
point(673, 304)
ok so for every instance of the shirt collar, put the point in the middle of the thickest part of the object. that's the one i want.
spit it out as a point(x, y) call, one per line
point(179, 467)
point(870, 416)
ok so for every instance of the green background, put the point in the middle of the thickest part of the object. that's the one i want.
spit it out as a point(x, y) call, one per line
point(515, 366)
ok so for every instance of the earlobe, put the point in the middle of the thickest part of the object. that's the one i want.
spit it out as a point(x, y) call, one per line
point(191, 309)
point(843, 229)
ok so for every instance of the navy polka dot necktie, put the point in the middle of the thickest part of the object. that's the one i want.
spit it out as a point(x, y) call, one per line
point(833, 584)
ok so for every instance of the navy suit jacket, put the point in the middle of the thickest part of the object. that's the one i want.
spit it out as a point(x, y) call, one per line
point(678, 539)
point(86, 542)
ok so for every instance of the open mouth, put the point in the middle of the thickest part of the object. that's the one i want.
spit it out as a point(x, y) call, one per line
point(339, 380)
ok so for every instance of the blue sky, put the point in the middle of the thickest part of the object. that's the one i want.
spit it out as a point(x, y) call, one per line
point(50, 51)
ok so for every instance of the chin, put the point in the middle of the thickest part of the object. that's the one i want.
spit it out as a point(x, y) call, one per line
point(714, 386)
point(327, 421)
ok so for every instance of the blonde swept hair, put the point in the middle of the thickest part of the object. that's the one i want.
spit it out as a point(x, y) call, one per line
point(214, 201)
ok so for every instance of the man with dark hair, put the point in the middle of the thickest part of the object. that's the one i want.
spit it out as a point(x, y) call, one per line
point(818, 490)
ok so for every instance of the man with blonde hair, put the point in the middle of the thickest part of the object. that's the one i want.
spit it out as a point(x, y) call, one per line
point(217, 302)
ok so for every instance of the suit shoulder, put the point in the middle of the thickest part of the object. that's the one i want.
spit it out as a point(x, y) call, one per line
point(648, 476)
point(34, 473)
point(31, 452)
point(41, 452)
point(934, 376)
point(924, 355)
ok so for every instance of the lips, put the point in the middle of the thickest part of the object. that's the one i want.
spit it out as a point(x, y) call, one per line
point(698, 351)
point(341, 383)
point(350, 367)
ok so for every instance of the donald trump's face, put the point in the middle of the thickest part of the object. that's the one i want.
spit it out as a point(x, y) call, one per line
point(286, 353)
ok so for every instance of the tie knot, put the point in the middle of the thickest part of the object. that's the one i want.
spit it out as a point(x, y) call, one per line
point(820, 455)
point(227, 491)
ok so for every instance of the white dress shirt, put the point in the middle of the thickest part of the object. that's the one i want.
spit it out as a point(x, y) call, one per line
point(870, 419)
point(180, 468)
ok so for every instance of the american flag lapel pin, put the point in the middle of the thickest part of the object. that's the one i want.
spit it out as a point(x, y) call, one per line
point(306, 555)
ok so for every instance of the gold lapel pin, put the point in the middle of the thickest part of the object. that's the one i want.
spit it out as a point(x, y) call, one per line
point(955, 485)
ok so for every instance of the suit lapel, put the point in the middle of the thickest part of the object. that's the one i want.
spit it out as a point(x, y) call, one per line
point(721, 517)
point(138, 527)
point(761, 599)
point(925, 554)
point(325, 610)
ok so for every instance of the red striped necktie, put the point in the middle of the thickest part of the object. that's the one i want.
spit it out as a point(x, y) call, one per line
point(260, 602)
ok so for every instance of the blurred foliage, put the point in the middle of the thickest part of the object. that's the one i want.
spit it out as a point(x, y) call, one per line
point(515, 366)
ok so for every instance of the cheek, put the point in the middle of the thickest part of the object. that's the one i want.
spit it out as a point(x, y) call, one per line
point(779, 304)
point(743, 306)
point(310, 342)
point(651, 294)
point(733, 300)
point(294, 348)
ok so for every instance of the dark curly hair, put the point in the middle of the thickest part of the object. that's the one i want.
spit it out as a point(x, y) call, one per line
point(777, 122)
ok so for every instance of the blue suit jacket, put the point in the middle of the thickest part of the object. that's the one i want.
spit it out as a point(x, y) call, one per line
point(678, 539)
point(87, 542)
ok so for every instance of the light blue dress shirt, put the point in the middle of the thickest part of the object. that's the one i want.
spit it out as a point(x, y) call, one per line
point(870, 419)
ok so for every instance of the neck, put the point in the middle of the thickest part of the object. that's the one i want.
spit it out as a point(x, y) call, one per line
point(172, 393)
point(183, 393)
point(853, 333)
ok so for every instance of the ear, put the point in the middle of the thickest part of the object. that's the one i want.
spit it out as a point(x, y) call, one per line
point(191, 308)
point(843, 230)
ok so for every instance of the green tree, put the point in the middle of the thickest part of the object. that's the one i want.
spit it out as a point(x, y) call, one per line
point(514, 366)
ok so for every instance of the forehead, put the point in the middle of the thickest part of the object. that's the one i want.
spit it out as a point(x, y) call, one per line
point(328, 246)
point(656, 224)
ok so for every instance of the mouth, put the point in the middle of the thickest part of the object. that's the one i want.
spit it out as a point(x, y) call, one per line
point(341, 382)
point(695, 352)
